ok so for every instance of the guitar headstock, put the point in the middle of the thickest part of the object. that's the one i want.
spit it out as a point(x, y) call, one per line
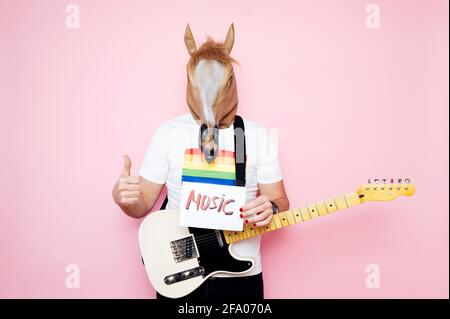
point(385, 189)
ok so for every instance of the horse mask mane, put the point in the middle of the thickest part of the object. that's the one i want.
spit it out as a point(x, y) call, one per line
point(211, 92)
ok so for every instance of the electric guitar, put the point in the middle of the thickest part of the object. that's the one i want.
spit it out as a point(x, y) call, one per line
point(179, 259)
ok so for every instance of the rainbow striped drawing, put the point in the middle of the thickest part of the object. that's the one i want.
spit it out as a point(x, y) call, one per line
point(196, 169)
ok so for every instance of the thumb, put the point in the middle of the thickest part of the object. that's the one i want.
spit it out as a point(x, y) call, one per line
point(126, 166)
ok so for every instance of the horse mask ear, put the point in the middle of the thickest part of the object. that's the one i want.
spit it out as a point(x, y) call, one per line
point(229, 41)
point(189, 40)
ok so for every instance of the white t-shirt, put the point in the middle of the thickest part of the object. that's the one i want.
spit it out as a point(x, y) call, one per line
point(163, 164)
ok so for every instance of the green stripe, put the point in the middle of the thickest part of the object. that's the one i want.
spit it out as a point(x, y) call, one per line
point(209, 174)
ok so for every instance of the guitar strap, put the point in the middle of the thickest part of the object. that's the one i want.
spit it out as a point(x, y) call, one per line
point(240, 154)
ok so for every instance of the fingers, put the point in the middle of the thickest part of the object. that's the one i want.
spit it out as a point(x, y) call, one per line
point(261, 219)
point(129, 180)
point(128, 194)
point(131, 194)
point(258, 212)
point(254, 203)
point(255, 210)
point(126, 166)
point(127, 189)
point(128, 201)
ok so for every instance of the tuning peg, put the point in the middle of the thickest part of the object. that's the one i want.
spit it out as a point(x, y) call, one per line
point(399, 181)
point(392, 180)
point(407, 180)
point(376, 180)
point(369, 181)
point(384, 180)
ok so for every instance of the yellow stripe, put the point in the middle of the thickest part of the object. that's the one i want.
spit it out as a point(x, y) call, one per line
point(198, 159)
point(229, 168)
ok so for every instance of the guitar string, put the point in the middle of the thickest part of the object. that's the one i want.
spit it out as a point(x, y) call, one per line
point(206, 241)
point(199, 238)
point(214, 235)
point(204, 244)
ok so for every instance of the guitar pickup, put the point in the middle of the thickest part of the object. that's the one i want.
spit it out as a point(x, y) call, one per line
point(183, 249)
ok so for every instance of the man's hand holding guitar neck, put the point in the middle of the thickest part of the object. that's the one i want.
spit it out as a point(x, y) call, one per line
point(262, 206)
point(134, 195)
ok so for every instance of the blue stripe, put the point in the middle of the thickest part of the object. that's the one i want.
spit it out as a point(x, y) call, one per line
point(207, 180)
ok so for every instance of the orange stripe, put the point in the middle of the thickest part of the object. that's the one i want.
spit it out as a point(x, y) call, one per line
point(196, 151)
point(217, 160)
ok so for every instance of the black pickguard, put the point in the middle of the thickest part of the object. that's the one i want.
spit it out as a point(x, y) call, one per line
point(213, 257)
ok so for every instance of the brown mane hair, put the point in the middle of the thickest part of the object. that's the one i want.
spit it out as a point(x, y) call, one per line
point(213, 51)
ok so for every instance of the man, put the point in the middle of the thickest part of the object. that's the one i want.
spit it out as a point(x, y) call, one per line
point(212, 101)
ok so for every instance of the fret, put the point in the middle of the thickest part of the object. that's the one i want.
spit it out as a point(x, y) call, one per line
point(331, 206)
point(227, 235)
point(346, 202)
point(254, 231)
point(321, 208)
point(312, 211)
point(291, 217)
point(305, 213)
point(294, 216)
point(277, 221)
point(272, 225)
point(297, 215)
point(250, 231)
point(352, 199)
point(335, 204)
point(261, 230)
point(284, 221)
point(341, 203)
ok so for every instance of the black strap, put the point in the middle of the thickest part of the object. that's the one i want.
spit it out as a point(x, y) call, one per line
point(164, 204)
point(240, 154)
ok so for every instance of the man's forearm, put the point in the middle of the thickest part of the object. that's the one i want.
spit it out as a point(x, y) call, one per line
point(282, 203)
point(137, 210)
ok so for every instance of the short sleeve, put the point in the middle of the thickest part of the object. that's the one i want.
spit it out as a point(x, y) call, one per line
point(268, 169)
point(154, 167)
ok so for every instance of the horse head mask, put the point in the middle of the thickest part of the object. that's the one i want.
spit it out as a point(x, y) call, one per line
point(211, 88)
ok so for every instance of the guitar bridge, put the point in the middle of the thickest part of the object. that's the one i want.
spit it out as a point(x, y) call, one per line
point(183, 249)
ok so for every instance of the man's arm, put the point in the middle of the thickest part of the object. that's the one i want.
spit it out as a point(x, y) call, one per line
point(135, 195)
point(276, 193)
point(262, 206)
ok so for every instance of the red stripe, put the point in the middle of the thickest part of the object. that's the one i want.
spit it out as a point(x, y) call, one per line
point(196, 151)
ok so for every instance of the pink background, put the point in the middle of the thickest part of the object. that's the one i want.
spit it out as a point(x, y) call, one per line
point(350, 103)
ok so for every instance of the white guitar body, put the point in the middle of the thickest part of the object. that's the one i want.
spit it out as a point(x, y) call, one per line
point(156, 233)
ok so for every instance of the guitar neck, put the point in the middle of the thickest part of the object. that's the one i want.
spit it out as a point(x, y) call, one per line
point(295, 216)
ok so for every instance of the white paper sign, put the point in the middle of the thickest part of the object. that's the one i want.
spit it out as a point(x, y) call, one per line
point(211, 206)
